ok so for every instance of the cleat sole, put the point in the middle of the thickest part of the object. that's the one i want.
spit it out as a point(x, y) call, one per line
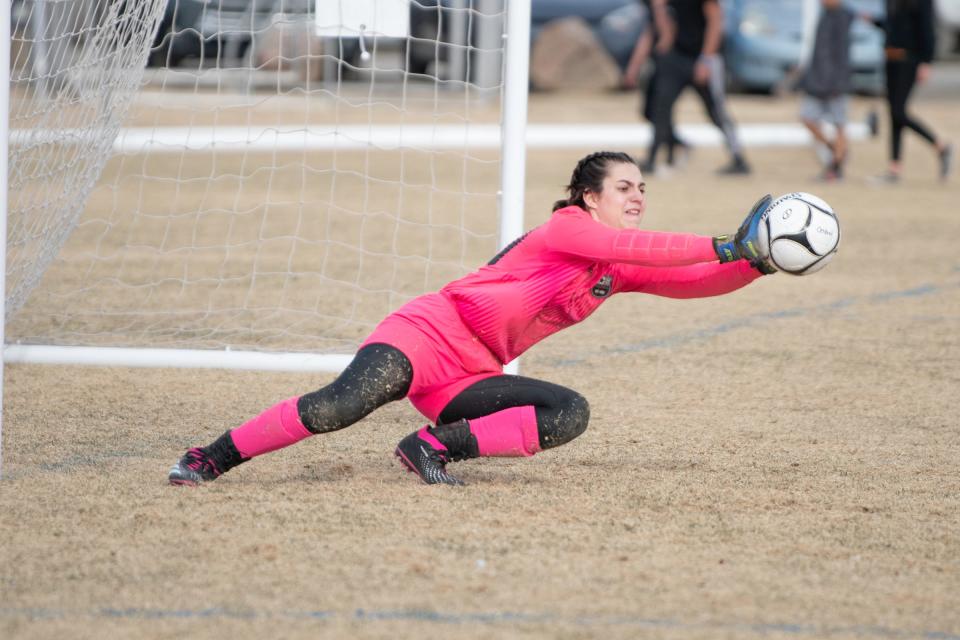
point(407, 464)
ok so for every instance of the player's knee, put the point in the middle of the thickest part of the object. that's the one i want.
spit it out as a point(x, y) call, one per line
point(378, 374)
point(321, 411)
point(569, 422)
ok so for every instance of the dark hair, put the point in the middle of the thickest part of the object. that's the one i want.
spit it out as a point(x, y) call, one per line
point(588, 175)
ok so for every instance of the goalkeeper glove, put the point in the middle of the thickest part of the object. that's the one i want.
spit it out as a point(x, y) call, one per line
point(745, 244)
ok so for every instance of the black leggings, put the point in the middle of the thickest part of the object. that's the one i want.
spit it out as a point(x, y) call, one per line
point(379, 374)
point(901, 78)
point(675, 72)
point(672, 140)
point(562, 414)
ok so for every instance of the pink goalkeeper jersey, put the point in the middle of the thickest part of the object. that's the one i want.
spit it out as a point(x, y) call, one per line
point(560, 272)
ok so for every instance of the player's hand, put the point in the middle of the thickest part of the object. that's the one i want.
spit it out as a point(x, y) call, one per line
point(745, 244)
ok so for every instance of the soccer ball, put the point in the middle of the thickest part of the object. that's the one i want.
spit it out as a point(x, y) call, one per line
point(802, 232)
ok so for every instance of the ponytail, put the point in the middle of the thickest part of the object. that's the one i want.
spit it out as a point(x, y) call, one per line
point(588, 175)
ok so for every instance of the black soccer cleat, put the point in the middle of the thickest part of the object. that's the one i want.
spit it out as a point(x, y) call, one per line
point(423, 459)
point(737, 167)
point(195, 467)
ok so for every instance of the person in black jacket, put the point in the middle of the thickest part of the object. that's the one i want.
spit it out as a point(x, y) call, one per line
point(642, 51)
point(909, 47)
point(690, 33)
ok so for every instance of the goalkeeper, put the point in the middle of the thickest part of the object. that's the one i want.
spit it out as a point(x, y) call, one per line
point(445, 351)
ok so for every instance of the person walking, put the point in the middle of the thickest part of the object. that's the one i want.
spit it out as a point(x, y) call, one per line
point(445, 351)
point(909, 47)
point(690, 34)
point(643, 51)
point(825, 83)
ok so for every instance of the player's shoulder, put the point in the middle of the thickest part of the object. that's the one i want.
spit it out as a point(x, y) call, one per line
point(564, 220)
point(570, 211)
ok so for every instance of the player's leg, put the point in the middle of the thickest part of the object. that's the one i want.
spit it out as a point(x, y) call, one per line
point(943, 149)
point(898, 84)
point(378, 374)
point(673, 76)
point(503, 416)
point(837, 108)
point(811, 113)
point(907, 118)
point(714, 98)
point(674, 142)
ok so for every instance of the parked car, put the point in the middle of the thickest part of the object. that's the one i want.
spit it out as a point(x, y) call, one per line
point(223, 30)
point(764, 39)
point(616, 23)
point(948, 32)
point(213, 29)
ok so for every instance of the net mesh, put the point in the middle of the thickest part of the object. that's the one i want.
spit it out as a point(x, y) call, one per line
point(270, 188)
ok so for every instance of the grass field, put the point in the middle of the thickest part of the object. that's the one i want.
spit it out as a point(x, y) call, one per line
point(776, 463)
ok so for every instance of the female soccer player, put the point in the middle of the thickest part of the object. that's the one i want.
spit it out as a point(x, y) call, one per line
point(445, 351)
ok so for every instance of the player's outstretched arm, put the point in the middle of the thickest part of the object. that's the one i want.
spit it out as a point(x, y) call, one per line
point(745, 244)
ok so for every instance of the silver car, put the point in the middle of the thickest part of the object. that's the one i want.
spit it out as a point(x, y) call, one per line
point(764, 39)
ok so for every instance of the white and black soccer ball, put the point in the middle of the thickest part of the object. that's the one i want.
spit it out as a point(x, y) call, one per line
point(802, 233)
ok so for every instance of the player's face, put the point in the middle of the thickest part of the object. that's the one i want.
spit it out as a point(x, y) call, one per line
point(622, 202)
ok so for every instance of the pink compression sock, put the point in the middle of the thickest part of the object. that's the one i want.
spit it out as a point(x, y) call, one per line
point(508, 433)
point(277, 427)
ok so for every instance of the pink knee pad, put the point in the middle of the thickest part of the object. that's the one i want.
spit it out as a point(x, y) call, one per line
point(277, 427)
point(509, 433)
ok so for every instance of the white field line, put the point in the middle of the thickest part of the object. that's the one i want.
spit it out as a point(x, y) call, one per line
point(387, 137)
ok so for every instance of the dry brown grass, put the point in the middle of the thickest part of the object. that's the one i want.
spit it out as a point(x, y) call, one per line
point(781, 462)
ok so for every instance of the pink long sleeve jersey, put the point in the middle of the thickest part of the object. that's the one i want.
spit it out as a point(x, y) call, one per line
point(560, 272)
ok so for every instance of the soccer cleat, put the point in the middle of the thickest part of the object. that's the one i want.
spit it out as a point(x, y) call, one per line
point(873, 124)
point(737, 167)
point(946, 161)
point(832, 173)
point(423, 459)
point(193, 468)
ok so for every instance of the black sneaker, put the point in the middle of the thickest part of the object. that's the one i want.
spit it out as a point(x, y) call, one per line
point(737, 167)
point(193, 468)
point(423, 459)
point(946, 161)
point(832, 173)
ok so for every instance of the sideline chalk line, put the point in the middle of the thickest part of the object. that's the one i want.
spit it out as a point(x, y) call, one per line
point(482, 618)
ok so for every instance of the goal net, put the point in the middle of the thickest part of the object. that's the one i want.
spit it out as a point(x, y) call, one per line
point(254, 176)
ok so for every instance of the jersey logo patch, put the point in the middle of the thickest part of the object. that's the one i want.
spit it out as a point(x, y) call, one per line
point(602, 288)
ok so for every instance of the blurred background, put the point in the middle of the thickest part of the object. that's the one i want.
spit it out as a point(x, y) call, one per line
point(762, 37)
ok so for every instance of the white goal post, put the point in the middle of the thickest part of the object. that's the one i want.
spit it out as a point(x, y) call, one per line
point(226, 184)
point(386, 113)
